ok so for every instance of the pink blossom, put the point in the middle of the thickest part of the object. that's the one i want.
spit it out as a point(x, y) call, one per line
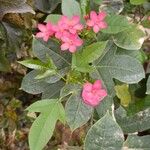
point(97, 21)
point(70, 42)
point(73, 24)
point(93, 94)
point(67, 25)
point(46, 31)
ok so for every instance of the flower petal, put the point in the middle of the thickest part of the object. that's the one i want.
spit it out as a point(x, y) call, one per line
point(90, 23)
point(96, 28)
point(42, 27)
point(78, 27)
point(72, 48)
point(64, 46)
point(102, 93)
point(101, 15)
point(93, 16)
point(87, 87)
point(75, 20)
point(39, 34)
point(45, 38)
point(97, 85)
point(102, 25)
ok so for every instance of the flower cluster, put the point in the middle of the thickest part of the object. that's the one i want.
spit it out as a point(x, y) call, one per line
point(93, 94)
point(67, 29)
point(97, 21)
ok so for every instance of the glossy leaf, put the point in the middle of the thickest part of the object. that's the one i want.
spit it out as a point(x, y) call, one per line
point(90, 53)
point(116, 24)
point(130, 39)
point(70, 8)
point(104, 134)
point(137, 142)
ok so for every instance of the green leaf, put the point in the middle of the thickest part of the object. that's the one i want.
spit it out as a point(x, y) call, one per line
point(47, 6)
point(42, 128)
point(137, 2)
point(122, 67)
point(97, 1)
point(77, 112)
point(138, 105)
point(135, 142)
point(51, 49)
point(140, 55)
point(69, 89)
point(85, 7)
point(59, 74)
point(53, 18)
point(53, 90)
point(116, 24)
point(61, 113)
point(42, 106)
point(45, 73)
point(89, 54)
point(32, 85)
point(122, 92)
point(15, 6)
point(148, 86)
point(34, 64)
point(70, 8)
point(104, 134)
point(135, 123)
point(130, 39)
point(104, 106)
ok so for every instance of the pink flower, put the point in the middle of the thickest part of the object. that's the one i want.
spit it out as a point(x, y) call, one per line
point(70, 42)
point(67, 25)
point(93, 94)
point(97, 21)
point(46, 31)
point(73, 24)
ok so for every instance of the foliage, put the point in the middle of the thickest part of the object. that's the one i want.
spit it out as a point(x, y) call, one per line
point(117, 56)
